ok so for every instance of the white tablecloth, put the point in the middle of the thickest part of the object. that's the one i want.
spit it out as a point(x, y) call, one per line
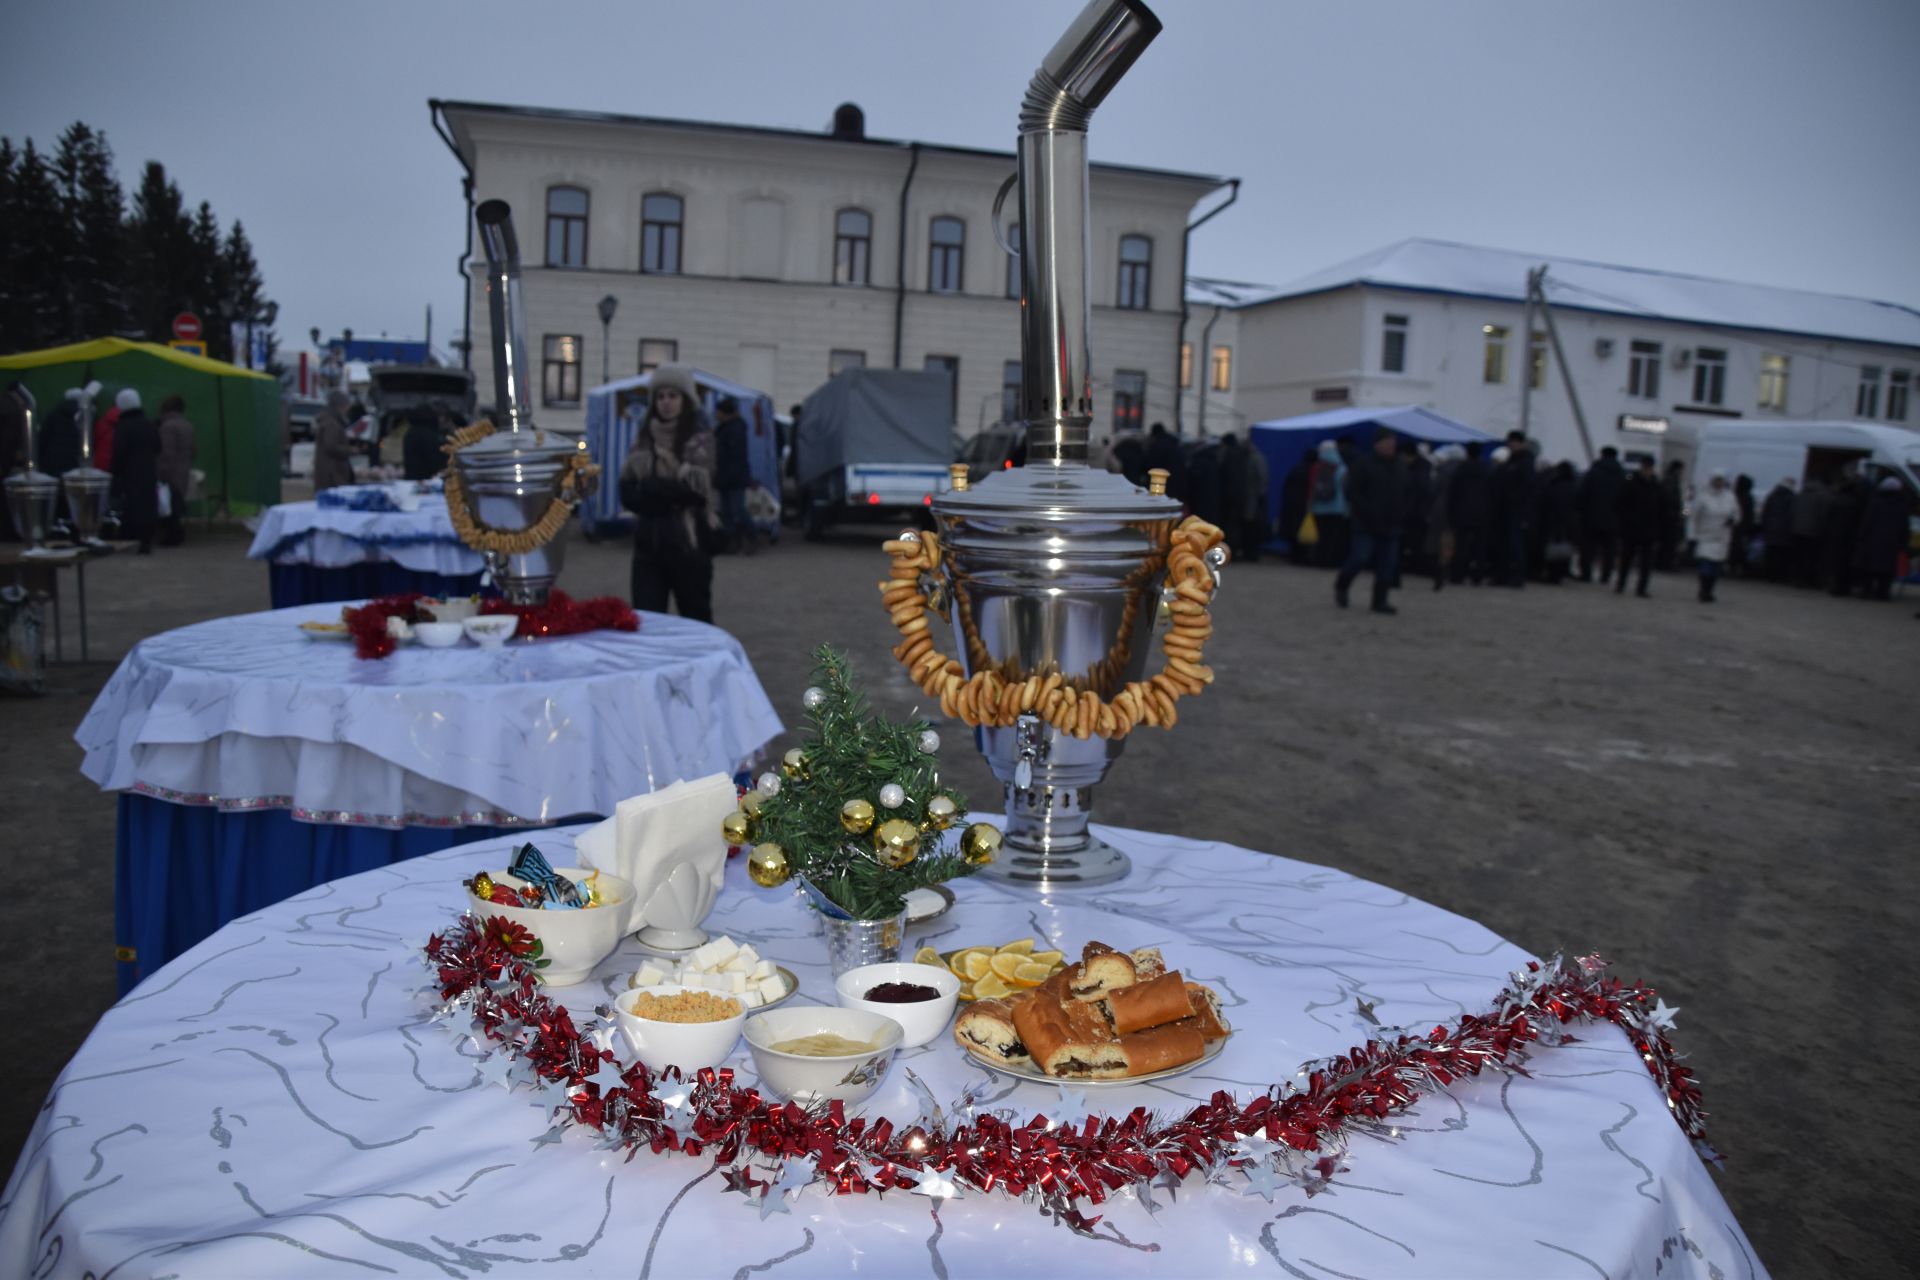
point(246, 712)
point(276, 1102)
point(333, 537)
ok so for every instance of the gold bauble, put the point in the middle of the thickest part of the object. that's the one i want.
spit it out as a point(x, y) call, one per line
point(794, 765)
point(941, 811)
point(857, 816)
point(897, 841)
point(767, 864)
point(735, 828)
point(750, 804)
point(979, 843)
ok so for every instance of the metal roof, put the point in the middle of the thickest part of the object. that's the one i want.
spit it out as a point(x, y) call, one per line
point(1440, 266)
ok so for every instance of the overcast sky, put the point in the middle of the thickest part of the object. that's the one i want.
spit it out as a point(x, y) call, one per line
point(1756, 140)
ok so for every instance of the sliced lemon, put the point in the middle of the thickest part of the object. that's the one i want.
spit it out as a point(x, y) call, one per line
point(927, 955)
point(1007, 964)
point(1031, 975)
point(966, 992)
point(976, 966)
point(991, 987)
point(1054, 958)
point(1022, 947)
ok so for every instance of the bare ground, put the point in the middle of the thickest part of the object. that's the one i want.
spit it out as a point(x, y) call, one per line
point(1722, 799)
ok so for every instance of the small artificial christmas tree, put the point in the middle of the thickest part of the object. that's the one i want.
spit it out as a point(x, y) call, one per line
point(858, 812)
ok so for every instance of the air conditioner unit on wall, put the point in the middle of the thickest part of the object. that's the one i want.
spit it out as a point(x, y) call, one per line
point(1682, 357)
point(1603, 347)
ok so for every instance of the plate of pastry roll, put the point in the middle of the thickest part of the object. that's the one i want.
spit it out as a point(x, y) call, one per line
point(1116, 1017)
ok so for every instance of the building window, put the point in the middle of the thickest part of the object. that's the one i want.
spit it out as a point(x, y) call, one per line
point(1537, 361)
point(1709, 375)
point(852, 246)
point(660, 219)
point(1897, 384)
point(1186, 365)
point(841, 359)
point(1136, 269)
point(560, 369)
point(566, 227)
point(1013, 261)
point(1010, 391)
point(949, 365)
point(1493, 365)
point(1773, 382)
point(1643, 370)
point(1393, 345)
point(1866, 401)
point(946, 249)
point(1332, 395)
point(1129, 399)
point(655, 352)
point(1223, 368)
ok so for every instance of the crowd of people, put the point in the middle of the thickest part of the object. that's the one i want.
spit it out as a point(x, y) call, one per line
point(151, 461)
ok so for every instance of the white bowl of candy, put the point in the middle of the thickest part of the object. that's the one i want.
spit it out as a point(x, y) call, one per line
point(572, 939)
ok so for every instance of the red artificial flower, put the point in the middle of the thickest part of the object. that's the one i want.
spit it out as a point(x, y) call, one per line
point(515, 938)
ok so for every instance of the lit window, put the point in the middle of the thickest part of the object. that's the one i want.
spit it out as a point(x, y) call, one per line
point(1010, 391)
point(1129, 399)
point(1493, 366)
point(1186, 365)
point(946, 249)
point(1643, 370)
point(566, 227)
point(655, 352)
point(1393, 345)
point(1866, 401)
point(852, 246)
point(1709, 375)
point(1223, 368)
point(1136, 267)
point(1897, 384)
point(660, 221)
point(1013, 262)
point(560, 369)
point(841, 360)
point(1773, 382)
point(1537, 361)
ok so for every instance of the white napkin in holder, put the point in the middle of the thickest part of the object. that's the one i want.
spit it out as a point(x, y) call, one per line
point(668, 843)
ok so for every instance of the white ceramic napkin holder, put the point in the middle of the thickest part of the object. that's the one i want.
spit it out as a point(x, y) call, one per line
point(668, 843)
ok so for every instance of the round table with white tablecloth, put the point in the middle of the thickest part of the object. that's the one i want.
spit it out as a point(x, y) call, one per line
point(254, 762)
point(318, 551)
point(279, 1101)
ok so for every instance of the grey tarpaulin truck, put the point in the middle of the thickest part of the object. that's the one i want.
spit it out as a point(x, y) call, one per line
point(874, 444)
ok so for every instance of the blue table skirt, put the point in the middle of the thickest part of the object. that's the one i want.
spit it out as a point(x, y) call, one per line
point(182, 871)
point(293, 584)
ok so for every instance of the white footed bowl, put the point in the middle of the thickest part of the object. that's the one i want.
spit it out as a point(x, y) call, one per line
point(491, 630)
point(438, 635)
point(573, 940)
point(920, 1021)
point(850, 1078)
point(686, 1045)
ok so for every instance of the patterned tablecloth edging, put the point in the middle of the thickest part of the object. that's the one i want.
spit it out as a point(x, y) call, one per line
point(337, 817)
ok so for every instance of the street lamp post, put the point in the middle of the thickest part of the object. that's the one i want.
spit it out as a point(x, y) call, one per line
point(608, 305)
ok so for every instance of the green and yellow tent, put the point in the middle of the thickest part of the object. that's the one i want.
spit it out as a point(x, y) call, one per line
point(235, 412)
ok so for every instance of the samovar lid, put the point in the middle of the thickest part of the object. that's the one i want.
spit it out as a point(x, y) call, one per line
point(1057, 493)
point(32, 480)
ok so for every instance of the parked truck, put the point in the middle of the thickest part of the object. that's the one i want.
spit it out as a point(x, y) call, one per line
point(874, 444)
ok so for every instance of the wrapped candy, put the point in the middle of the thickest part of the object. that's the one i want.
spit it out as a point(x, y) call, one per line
point(482, 886)
point(530, 865)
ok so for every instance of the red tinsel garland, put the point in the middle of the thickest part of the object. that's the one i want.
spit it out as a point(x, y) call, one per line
point(561, 615)
point(1300, 1129)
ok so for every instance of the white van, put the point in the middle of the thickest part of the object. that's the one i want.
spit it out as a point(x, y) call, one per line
point(1799, 451)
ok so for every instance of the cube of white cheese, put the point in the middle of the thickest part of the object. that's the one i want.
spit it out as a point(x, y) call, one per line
point(761, 969)
point(744, 960)
point(650, 975)
point(750, 999)
point(714, 955)
point(771, 989)
point(736, 982)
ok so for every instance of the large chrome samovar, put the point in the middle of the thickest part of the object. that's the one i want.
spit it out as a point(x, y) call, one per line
point(1056, 567)
point(32, 493)
point(86, 485)
point(509, 480)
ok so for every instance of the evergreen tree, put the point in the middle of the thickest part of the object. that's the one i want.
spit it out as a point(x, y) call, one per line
point(160, 239)
point(33, 309)
point(94, 211)
point(212, 300)
point(245, 289)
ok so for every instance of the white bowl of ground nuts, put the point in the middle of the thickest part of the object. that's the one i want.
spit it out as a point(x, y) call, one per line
point(677, 1026)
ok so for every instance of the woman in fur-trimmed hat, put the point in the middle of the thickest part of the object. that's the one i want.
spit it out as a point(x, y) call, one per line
point(667, 482)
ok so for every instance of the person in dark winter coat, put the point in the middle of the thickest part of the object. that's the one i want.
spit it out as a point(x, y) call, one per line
point(420, 454)
point(1163, 451)
point(178, 445)
point(1673, 515)
point(1205, 493)
point(1638, 512)
point(1883, 536)
point(1776, 530)
point(1413, 536)
point(1744, 528)
point(136, 471)
point(667, 482)
point(1513, 482)
point(1377, 505)
point(1843, 527)
point(1470, 509)
point(1440, 536)
point(1809, 527)
point(1556, 508)
point(1293, 508)
point(1596, 501)
point(732, 472)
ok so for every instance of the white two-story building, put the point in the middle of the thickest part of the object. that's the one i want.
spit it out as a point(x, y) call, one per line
point(777, 257)
point(1650, 353)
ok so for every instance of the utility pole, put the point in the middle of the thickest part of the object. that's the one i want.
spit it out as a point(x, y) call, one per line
point(1538, 281)
point(1526, 347)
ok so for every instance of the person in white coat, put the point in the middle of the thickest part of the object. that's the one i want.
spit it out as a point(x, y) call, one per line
point(1715, 513)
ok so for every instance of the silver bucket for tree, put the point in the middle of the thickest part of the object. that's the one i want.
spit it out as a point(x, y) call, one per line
point(1057, 568)
point(511, 487)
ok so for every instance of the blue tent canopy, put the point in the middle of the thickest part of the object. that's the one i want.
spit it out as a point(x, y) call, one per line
point(614, 414)
point(1285, 441)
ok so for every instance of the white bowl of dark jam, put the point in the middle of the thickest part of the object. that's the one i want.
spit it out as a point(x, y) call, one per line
point(920, 997)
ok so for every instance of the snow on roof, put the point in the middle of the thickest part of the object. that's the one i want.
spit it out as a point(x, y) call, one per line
point(1207, 291)
point(1440, 266)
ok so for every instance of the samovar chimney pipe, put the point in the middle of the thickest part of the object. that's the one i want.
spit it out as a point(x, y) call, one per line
point(506, 311)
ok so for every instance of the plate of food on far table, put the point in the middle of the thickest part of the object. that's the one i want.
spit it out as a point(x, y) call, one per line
point(1113, 1017)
